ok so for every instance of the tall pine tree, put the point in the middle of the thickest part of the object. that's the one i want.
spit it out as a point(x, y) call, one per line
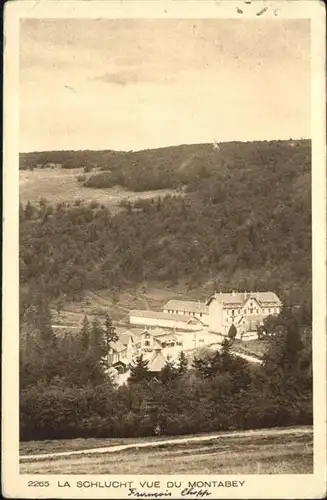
point(84, 335)
point(226, 355)
point(97, 343)
point(139, 370)
point(232, 332)
point(168, 372)
point(182, 363)
point(110, 336)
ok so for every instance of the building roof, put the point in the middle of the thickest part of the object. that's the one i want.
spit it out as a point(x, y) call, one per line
point(240, 298)
point(168, 336)
point(120, 362)
point(187, 306)
point(156, 361)
point(161, 315)
point(118, 346)
point(157, 331)
point(126, 336)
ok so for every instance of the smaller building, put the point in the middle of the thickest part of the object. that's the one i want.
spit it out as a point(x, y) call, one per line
point(164, 320)
point(148, 342)
point(189, 308)
point(124, 349)
point(156, 359)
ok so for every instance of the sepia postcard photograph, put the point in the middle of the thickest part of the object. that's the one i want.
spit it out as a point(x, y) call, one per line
point(164, 250)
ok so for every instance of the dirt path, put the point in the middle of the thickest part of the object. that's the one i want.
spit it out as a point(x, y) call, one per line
point(183, 440)
point(247, 357)
point(65, 327)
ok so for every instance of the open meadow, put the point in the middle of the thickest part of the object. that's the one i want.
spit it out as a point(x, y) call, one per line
point(275, 451)
point(59, 185)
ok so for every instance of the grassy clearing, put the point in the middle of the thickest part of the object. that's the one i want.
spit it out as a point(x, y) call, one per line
point(102, 302)
point(59, 445)
point(278, 454)
point(61, 185)
point(251, 347)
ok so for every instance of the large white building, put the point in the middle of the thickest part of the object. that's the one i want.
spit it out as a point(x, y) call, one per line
point(246, 311)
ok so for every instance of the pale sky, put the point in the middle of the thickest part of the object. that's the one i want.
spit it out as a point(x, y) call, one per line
point(137, 84)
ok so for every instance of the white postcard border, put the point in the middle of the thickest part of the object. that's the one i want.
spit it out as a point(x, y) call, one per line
point(255, 486)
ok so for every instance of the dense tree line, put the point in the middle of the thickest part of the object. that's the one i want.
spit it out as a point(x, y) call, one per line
point(180, 166)
point(68, 159)
point(66, 391)
point(171, 166)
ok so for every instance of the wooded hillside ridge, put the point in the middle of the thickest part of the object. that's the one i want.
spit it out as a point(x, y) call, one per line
point(169, 167)
point(245, 226)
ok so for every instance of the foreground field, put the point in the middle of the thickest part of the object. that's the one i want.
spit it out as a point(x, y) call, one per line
point(276, 451)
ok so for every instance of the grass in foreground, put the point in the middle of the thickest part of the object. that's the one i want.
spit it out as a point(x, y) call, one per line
point(277, 454)
point(66, 445)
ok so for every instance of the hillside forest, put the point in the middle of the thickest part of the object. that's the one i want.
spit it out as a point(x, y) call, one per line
point(241, 220)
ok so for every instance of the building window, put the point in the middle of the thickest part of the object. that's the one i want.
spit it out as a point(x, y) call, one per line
point(200, 315)
point(147, 343)
point(244, 311)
